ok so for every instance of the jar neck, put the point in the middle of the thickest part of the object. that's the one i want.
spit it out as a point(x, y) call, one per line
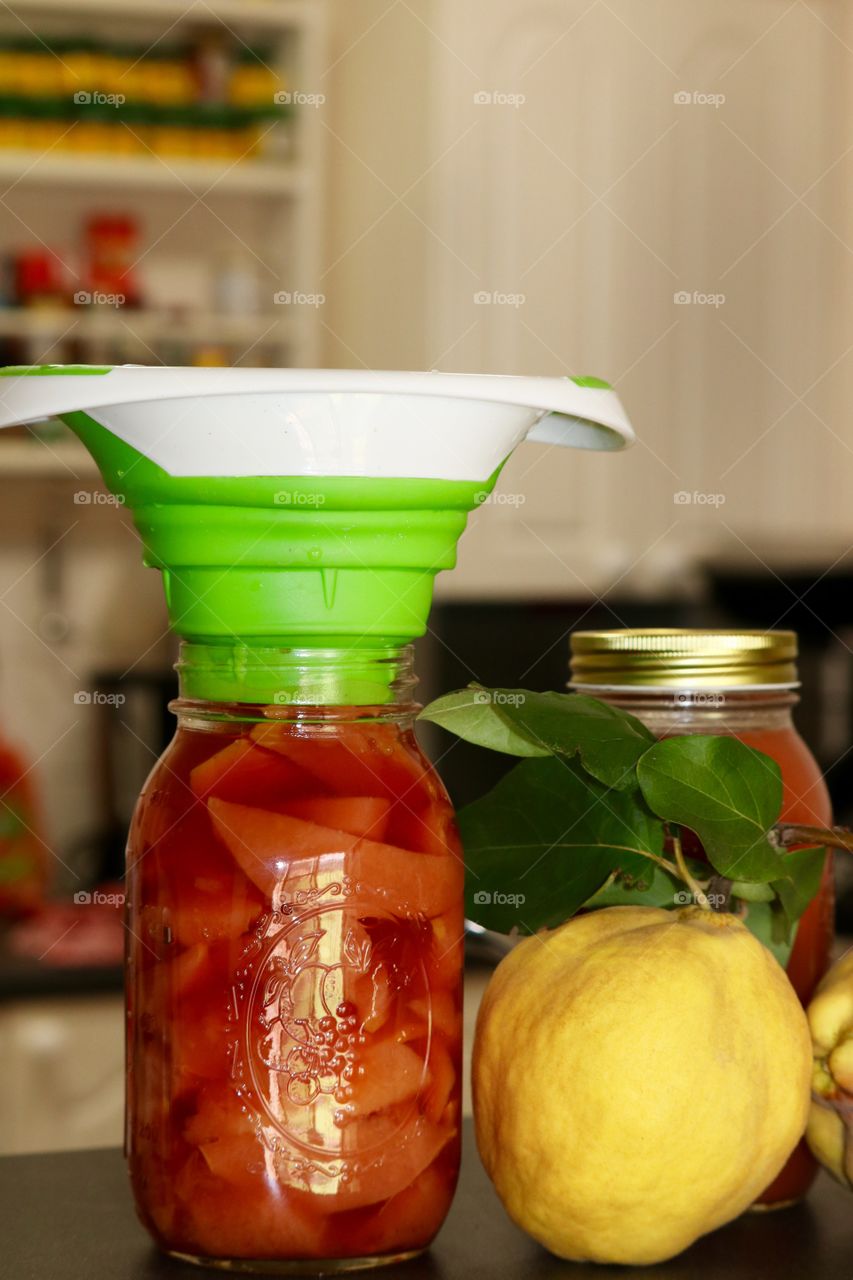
point(276, 677)
point(673, 711)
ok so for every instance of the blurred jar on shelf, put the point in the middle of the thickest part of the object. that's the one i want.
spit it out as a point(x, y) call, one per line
point(25, 868)
point(235, 285)
point(39, 279)
point(112, 245)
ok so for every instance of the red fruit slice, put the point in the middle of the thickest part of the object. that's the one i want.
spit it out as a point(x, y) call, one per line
point(442, 1007)
point(204, 917)
point(189, 998)
point(374, 996)
point(431, 829)
point(189, 969)
point(357, 815)
point(262, 1219)
point(444, 960)
point(442, 1079)
point(201, 915)
point(272, 847)
point(411, 1029)
point(408, 1220)
point(197, 1047)
point(354, 759)
point(191, 889)
point(219, 1113)
point(393, 1073)
point(277, 851)
point(407, 882)
point(411, 1149)
point(245, 774)
point(239, 1159)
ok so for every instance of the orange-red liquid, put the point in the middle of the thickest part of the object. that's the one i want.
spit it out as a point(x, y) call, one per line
point(294, 994)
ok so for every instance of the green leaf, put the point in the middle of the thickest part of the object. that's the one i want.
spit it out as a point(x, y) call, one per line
point(728, 793)
point(775, 922)
point(545, 839)
point(569, 827)
point(803, 870)
point(652, 888)
point(609, 742)
point(770, 924)
point(750, 891)
point(473, 715)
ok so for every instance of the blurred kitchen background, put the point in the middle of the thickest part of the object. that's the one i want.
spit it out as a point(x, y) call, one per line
point(652, 192)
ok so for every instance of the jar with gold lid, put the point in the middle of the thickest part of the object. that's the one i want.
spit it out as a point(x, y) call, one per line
point(741, 683)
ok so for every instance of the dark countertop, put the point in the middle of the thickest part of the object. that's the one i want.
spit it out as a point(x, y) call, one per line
point(24, 979)
point(69, 1217)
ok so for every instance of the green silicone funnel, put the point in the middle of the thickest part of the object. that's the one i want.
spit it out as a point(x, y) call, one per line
point(305, 508)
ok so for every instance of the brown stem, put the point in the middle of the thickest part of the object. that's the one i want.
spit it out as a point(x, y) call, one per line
point(684, 871)
point(786, 834)
point(720, 893)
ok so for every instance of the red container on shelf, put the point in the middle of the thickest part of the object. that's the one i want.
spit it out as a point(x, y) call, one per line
point(38, 278)
point(112, 245)
point(25, 868)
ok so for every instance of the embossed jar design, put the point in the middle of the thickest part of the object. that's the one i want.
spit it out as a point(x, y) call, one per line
point(294, 981)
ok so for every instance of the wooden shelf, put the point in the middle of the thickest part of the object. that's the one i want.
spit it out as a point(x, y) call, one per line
point(281, 187)
point(271, 15)
point(199, 177)
point(109, 322)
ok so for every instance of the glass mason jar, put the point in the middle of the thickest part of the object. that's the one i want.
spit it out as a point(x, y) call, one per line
point(294, 969)
point(742, 684)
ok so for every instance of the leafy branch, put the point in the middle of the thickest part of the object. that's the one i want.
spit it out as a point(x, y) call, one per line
point(596, 811)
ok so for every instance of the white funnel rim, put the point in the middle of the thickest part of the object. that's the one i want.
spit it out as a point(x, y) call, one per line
point(565, 412)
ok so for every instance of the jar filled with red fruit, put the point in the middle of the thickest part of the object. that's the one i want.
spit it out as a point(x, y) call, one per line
point(295, 959)
point(741, 683)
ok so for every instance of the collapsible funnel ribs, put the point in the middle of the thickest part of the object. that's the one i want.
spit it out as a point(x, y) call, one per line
point(305, 507)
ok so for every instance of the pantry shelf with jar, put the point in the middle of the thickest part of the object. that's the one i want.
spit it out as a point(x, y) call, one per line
point(185, 144)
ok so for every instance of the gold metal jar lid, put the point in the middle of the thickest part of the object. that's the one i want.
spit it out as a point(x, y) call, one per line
point(672, 659)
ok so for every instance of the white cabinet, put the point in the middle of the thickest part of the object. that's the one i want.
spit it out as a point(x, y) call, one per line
point(582, 165)
point(62, 1067)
